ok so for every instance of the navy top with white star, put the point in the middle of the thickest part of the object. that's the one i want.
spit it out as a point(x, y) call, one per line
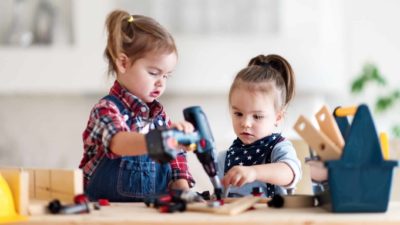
point(256, 153)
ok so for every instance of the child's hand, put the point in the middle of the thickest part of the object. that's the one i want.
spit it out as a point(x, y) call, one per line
point(180, 184)
point(239, 175)
point(183, 126)
point(318, 171)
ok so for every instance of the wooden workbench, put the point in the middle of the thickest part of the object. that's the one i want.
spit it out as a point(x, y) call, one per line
point(137, 213)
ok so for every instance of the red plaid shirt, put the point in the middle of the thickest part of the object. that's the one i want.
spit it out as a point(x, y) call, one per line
point(105, 121)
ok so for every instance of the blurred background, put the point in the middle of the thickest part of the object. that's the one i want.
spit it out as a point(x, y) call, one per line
point(52, 69)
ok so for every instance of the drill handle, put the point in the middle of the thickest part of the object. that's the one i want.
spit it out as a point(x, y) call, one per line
point(163, 145)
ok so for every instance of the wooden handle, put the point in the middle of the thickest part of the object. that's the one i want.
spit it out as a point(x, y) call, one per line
point(329, 126)
point(317, 140)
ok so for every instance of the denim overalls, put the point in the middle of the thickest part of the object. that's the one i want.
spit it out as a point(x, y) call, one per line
point(129, 178)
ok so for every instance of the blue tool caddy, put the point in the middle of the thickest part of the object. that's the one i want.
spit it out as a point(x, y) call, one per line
point(360, 181)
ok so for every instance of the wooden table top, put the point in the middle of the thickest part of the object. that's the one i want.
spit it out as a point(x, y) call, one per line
point(138, 213)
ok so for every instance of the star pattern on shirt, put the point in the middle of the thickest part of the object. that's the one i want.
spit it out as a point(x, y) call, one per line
point(251, 154)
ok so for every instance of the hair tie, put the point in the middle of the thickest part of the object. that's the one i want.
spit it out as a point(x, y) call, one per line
point(130, 19)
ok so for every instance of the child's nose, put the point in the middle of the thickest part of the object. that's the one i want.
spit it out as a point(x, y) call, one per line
point(159, 83)
point(246, 122)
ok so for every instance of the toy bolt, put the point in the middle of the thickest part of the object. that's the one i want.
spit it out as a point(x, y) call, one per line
point(55, 207)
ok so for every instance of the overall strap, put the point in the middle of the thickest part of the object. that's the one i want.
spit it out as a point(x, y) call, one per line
point(121, 107)
point(271, 187)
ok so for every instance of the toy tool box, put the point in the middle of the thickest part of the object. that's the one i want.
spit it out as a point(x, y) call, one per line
point(360, 181)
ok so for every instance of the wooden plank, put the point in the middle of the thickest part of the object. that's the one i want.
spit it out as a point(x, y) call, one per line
point(18, 181)
point(32, 185)
point(329, 126)
point(42, 184)
point(293, 201)
point(262, 200)
point(47, 184)
point(138, 213)
point(233, 208)
point(66, 183)
point(318, 141)
point(304, 186)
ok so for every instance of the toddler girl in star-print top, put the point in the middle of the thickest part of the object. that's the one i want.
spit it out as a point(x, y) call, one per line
point(141, 55)
point(260, 157)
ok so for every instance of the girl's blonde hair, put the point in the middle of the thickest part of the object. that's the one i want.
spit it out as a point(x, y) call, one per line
point(267, 73)
point(134, 36)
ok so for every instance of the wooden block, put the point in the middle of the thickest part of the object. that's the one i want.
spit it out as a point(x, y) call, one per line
point(304, 186)
point(65, 184)
point(293, 201)
point(18, 181)
point(32, 185)
point(49, 184)
point(329, 126)
point(317, 140)
point(233, 208)
point(42, 184)
point(262, 200)
point(66, 181)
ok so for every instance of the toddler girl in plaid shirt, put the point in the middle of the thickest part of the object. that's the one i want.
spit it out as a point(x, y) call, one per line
point(141, 55)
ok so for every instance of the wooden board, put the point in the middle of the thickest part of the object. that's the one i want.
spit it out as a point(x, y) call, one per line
point(63, 184)
point(295, 201)
point(304, 186)
point(317, 140)
point(139, 214)
point(329, 126)
point(41, 179)
point(235, 207)
point(48, 184)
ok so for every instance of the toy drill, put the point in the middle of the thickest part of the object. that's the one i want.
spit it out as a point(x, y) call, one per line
point(161, 144)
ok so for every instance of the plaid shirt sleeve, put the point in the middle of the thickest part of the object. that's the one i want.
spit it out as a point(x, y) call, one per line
point(180, 169)
point(179, 165)
point(105, 121)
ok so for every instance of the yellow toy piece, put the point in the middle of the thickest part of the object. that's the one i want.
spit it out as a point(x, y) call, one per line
point(7, 209)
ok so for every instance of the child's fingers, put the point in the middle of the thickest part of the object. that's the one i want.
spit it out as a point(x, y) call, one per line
point(242, 181)
point(235, 180)
point(231, 179)
point(226, 181)
point(188, 127)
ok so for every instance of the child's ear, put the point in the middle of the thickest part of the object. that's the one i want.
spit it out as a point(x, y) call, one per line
point(122, 63)
point(279, 117)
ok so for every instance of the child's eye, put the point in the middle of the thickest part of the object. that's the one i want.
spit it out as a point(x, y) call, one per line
point(153, 73)
point(167, 75)
point(238, 114)
point(258, 117)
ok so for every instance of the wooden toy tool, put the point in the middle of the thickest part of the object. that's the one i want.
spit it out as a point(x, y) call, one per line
point(318, 141)
point(328, 125)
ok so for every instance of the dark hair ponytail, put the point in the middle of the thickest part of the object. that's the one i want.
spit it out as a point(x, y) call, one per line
point(268, 68)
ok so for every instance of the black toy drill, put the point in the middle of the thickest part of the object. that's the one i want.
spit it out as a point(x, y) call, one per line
point(161, 144)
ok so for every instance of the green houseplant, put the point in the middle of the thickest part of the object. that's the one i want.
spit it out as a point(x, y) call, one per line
point(383, 103)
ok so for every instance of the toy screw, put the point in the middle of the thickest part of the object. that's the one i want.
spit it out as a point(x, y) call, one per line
point(55, 207)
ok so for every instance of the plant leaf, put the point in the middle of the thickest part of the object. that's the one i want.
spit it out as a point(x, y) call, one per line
point(396, 131)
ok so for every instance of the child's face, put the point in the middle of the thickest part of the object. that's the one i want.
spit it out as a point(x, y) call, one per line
point(147, 77)
point(253, 114)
